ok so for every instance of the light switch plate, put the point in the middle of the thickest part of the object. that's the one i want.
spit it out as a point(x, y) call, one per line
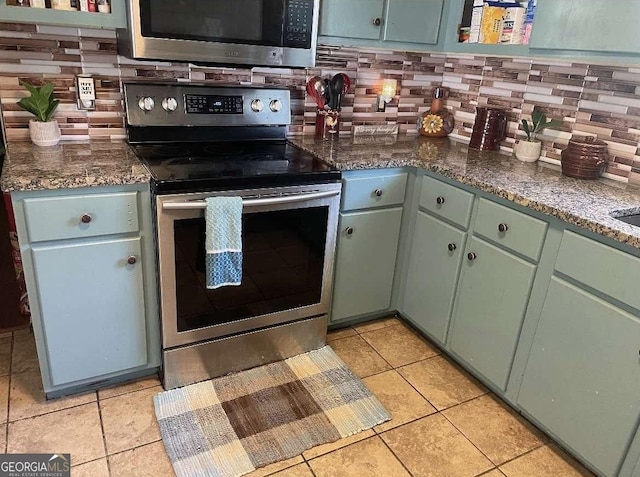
point(86, 93)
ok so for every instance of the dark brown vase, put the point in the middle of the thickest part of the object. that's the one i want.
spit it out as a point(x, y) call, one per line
point(489, 128)
point(437, 121)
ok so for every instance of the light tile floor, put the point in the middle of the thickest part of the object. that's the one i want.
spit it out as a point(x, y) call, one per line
point(445, 423)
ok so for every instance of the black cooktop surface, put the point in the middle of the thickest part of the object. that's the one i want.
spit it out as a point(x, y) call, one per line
point(192, 167)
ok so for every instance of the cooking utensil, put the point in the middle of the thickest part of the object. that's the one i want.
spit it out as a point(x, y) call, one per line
point(329, 93)
point(316, 88)
point(336, 85)
point(347, 83)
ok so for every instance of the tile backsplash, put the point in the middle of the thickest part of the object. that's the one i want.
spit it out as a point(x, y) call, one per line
point(590, 99)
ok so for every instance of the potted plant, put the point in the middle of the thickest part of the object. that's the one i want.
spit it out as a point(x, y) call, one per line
point(43, 130)
point(528, 150)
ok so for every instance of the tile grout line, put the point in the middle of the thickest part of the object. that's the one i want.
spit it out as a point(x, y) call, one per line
point(394, 455)
point(104, 437)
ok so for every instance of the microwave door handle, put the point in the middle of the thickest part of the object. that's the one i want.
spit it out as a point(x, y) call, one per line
point(287, 199)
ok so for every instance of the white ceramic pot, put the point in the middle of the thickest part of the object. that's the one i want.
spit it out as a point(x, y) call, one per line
point(527, 151)
point(44, 134)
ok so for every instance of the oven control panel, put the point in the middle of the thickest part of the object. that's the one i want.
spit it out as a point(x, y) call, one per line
point(213, 104)
point(193, 105)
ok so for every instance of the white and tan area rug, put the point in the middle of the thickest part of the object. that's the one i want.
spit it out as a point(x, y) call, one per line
point(230, 426)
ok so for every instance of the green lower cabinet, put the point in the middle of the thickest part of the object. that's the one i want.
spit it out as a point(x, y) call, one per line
point(582, 380)
point(491, 301)
point(434, 265)
point(365, 262)
point(93, 308)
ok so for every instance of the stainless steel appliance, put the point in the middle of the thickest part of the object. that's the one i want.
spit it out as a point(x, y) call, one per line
point(250, 32)
point(204, 141)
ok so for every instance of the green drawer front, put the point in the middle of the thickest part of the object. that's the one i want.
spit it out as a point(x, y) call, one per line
point(601, 267)
point(378, 191)
point(522, 233)
point(61, 217)
point(446, 201)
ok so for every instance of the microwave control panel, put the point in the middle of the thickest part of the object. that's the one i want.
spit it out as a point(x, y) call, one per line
point(298, 23)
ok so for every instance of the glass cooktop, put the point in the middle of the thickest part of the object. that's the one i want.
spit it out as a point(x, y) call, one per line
point(192, 167)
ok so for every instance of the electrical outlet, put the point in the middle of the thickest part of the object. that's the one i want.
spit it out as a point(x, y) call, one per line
point(86, 93)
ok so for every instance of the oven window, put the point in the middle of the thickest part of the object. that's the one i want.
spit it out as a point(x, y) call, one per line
point(253, 22)
point(283, 261)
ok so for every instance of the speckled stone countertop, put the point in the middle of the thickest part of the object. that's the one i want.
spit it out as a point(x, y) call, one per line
point(70, 165)
point(539, 186)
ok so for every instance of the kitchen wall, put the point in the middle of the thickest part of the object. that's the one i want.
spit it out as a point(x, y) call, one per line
point(590, 99)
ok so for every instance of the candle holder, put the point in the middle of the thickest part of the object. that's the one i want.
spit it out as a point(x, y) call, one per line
point(327, 123)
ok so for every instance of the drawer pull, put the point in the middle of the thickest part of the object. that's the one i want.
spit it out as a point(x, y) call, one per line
point(132, 260)
point(471, 256)
point(452, 247)
point(503, 228)
point(86, 218)
point(440, 200)
point(378, 192)
point(377, 22)
point(349, 230)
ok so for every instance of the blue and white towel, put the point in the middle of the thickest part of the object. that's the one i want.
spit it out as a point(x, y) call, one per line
point(223, 217)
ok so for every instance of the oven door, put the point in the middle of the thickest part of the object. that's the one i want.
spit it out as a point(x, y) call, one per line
point(288, 242)
point(256, 32)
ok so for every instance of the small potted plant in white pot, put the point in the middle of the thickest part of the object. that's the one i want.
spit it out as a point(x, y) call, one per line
point(528, 150)
point(43, 130)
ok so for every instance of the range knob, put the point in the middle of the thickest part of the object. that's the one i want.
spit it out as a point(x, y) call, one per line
point(146, 103)
point(275, 105)
point(169, 104)
point(257, 105)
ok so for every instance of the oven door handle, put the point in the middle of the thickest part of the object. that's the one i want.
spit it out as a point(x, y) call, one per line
point(286, 199)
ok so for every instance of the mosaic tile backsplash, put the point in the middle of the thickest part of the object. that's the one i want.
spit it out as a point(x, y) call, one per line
point(590, 99)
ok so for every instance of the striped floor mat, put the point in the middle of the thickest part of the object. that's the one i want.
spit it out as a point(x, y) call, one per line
point(230, 426)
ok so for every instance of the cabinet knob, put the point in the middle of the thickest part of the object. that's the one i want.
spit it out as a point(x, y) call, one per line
point(503, 228)
point(378, 192)
point(452, 247)
point(377, 21)
point(132, 260)
point(471, 256)
point(440, 200)
point(86, 218)
point(349, 230)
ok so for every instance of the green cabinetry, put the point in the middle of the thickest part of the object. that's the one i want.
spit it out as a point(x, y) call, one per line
point(367, 244)
point(587, 25)
point(432, 275)
point(381, 22)
point(90, 269)
point(491, 302)
point(582, 379)
point(116, 19)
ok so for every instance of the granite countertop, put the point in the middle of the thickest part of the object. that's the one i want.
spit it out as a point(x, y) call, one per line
point(539, 186)
point(69, 165)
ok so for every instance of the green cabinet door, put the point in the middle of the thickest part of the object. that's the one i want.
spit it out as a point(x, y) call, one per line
point(492, 299)
point(365, 262)
point(352, 18)
point(588, 25)
point(582, 379)
point(434, 265)
point(413, 21)
point(92, 305)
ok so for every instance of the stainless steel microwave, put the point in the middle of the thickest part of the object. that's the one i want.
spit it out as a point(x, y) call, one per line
point(247, 32)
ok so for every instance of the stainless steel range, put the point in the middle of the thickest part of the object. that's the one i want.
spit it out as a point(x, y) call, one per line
point(200, 142)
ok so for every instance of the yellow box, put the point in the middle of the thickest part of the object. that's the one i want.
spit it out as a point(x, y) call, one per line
point(491, 25)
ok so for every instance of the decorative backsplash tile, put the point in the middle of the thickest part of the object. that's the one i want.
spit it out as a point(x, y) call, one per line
point(590, 99)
